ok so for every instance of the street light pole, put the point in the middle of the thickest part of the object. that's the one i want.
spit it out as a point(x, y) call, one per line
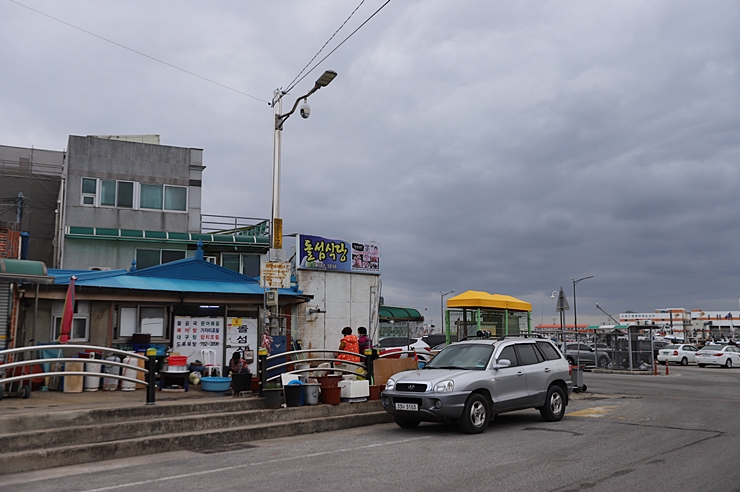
point(276, 223)
point(575, 319)
point(442, 313)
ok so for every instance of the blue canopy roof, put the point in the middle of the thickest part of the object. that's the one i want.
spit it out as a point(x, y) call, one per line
point(187, 275)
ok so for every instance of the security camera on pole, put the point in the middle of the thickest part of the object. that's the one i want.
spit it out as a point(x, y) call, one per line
point(278, 278)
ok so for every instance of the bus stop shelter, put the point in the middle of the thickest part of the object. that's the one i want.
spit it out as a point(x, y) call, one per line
point(474, 313)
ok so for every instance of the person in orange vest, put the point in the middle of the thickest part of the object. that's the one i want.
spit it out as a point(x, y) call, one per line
point(349, 343)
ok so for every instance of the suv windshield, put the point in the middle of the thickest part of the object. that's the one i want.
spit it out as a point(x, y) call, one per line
point(462, 356)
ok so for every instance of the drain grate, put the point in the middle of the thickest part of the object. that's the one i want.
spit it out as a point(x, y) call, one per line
point(225, 448)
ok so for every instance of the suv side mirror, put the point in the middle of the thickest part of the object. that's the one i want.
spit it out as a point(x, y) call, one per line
point(502, 363)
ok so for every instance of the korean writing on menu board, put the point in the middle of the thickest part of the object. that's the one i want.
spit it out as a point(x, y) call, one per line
point(197, 332)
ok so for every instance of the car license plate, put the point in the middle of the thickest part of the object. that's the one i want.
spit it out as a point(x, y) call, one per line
point(665, 353)
point(407, 406)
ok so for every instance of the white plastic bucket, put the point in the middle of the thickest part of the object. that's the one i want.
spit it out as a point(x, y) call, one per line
point(111, 384)
point(129, 373)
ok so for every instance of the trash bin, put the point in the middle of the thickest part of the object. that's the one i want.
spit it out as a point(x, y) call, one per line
point(241, 382)
point(311, 393)
point(293, 393)
point(576, 375)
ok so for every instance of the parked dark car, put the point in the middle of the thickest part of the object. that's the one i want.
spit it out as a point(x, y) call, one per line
point(586, 355)
point(434, 340)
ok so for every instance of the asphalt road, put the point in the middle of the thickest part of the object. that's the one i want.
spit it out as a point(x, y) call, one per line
point(627, 433)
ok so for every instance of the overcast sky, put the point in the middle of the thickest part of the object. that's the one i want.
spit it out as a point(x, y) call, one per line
point(503, 146)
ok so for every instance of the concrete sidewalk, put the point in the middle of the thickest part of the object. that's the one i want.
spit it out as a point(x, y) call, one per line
point(44, 401)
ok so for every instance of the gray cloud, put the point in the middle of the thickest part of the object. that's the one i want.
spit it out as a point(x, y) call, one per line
point(506, 147)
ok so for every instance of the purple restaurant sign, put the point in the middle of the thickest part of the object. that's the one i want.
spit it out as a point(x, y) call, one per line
point(335, 255)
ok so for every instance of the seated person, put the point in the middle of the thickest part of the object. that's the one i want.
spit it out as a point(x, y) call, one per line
point(237, 365)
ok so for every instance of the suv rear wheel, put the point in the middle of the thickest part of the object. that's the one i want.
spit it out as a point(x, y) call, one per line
point(554, 408)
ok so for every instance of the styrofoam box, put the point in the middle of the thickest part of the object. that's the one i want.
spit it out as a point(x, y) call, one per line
point(355, 389)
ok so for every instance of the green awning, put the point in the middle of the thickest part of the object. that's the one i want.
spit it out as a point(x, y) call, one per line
point(399, 314)
point(167, 237)
point(25, 271)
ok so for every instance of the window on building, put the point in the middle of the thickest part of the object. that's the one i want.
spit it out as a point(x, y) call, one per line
point(175, 198)
point(125, 194)
point(127, 324)
point(80, 325)
point(232, 261)
point(251, 265)
point(245, 264)
point(129, 194)
point(142, 319)
point(169, 255)
point(151, 320)
point(107, 193)
point(151, 197)
point(146, 258)
point(89, 191)
point(79, 329)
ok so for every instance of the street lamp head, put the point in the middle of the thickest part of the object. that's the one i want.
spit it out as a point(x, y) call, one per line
point(554, 294)
point(326, 78)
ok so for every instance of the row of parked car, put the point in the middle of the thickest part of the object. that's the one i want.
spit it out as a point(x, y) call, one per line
point(712, 354)
point(597, 355)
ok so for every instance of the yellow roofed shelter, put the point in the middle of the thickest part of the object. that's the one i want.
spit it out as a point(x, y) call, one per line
point(474, 313)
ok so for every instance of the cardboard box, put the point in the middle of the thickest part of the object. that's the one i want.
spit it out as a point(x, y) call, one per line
point(73, 384)
point(385, 368)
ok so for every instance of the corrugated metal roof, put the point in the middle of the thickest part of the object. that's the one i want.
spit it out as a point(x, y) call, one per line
point(188, 275)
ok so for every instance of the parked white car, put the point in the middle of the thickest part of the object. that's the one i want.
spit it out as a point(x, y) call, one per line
point(721, 355)
point(680, 353)
point(397, 344)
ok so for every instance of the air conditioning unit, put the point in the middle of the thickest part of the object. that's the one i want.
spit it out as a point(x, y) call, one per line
point(99, 268)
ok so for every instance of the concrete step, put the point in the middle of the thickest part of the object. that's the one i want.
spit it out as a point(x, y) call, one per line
point(55, 418)
point(209, 418)
point(336, 417)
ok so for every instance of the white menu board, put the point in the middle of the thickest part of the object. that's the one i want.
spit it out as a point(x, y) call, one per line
point(193, 334)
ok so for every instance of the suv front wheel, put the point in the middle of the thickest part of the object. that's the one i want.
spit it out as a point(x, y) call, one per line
point(554, 408)
point(474, 419)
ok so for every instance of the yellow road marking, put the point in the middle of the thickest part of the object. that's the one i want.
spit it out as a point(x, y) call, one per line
point(595, 412)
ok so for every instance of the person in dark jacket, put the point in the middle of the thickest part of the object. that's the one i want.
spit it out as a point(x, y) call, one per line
point(363, 340)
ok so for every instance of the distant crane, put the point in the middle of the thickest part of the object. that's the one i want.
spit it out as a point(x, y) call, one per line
point(610, 316)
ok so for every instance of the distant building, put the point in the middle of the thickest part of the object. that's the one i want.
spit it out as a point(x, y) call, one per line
point(111, 200)
point(692, 324)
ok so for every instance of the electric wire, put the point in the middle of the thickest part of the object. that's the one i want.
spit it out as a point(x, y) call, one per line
point(338, 46)
point(139, 52)
point(290, 86)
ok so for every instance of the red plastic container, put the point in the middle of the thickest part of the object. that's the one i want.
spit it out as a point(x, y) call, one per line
point(329, 381)
point(177, 360)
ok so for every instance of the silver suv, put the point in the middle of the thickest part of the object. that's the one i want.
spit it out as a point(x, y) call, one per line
point(470, 382)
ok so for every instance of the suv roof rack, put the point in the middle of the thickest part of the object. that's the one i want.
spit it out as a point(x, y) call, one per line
point(523, 335)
